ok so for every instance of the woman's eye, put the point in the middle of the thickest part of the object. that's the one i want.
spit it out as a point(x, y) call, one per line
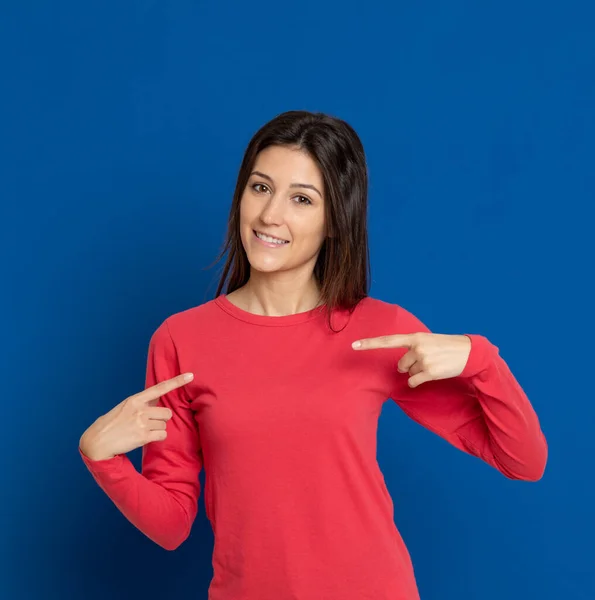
point(303, 200)
point(258, 187)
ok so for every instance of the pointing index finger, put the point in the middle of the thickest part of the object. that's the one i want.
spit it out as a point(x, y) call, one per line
point(399, 340)
point(163, 387)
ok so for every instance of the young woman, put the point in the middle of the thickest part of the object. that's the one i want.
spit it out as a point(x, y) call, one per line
point(275, 387)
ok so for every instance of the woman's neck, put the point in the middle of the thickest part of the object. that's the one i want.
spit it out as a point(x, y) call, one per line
point(262, 296)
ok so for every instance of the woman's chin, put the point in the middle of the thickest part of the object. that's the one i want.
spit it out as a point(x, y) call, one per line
point(266, 266)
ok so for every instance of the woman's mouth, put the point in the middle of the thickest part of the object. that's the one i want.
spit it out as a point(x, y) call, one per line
point(269, 241)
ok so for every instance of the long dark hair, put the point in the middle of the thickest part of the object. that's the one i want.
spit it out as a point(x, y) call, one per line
point(342, 269)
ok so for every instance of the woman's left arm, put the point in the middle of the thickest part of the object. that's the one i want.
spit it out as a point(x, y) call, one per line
point(460, 388)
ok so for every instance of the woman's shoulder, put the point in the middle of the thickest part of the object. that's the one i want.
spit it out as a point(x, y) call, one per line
point(372, 306)
point(189, 319)
point(389, 313)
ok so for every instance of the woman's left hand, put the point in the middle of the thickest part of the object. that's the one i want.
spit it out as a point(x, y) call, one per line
point(431, 355)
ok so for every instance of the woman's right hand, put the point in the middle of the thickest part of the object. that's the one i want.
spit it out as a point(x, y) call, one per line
point(134, 422)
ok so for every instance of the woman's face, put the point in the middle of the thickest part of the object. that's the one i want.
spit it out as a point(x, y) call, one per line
point(284, 198)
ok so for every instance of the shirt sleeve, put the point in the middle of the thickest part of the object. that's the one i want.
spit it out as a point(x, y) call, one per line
point(484, 411)
point(161, 500)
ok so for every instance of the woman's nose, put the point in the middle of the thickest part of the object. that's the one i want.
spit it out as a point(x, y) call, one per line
point(272, 213)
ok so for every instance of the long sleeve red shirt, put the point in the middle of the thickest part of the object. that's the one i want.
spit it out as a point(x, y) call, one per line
point(282, 414)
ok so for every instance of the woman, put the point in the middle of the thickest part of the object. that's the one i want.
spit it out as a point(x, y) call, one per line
point(276, 387)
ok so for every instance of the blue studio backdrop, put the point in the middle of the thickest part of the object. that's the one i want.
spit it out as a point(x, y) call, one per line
point(122, 130)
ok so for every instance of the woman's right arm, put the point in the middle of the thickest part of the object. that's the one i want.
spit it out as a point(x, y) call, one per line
point(161, 501)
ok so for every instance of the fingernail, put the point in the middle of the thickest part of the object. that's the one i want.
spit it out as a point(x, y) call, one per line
point(188, 376)
point(356, 345)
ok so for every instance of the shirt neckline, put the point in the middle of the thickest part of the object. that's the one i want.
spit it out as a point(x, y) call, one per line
point(243, 315)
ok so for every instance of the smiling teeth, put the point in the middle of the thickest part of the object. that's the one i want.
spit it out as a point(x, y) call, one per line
point(269, 239)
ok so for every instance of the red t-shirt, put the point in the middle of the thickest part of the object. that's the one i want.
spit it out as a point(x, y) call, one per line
point(282, 414)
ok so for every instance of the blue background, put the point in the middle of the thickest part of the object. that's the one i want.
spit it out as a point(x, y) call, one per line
point(122, 127)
